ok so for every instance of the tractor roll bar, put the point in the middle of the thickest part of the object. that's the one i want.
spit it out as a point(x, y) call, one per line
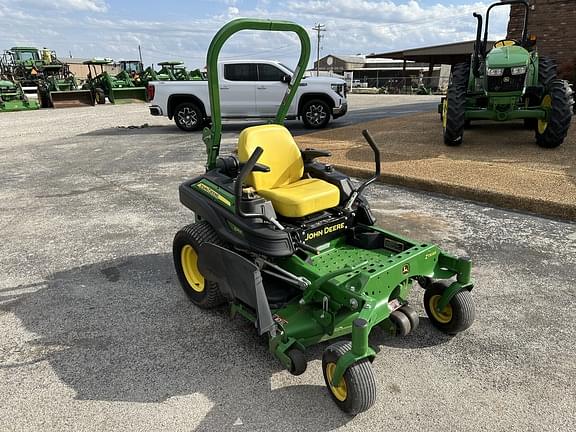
point(479, 48)
point(213, 136)
point(504, 3)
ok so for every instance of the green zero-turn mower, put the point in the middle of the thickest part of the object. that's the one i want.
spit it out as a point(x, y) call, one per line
point(118, 89)
point(508, 82)
point(290, 244)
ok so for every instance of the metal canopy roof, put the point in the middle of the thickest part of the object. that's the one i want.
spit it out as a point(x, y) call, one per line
point(437, 54)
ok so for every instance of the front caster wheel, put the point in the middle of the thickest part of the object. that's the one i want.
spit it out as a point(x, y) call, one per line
point(457, 316)
point(356, 391)
point(298, 360)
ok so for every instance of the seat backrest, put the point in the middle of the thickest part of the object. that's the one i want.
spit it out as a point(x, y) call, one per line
point(281, 154)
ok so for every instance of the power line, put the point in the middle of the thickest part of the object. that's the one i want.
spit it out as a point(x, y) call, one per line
point(318, 28)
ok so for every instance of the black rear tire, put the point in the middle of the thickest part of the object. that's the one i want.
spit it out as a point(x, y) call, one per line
point(204, 293)
point(547, 71)
point(315, 114)
point(359, 380)
point(551, 134)
point(188, 117)
point(455, 120)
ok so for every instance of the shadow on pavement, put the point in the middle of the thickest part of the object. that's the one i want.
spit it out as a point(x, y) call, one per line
point(123, 330)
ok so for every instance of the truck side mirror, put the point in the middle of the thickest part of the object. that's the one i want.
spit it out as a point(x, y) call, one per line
point(286, 78)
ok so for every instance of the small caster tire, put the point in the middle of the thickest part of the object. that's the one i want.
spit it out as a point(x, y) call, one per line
point(356, 391)
point(412, 317)
point(401, 322)
point(457, 316)
point(298, 360)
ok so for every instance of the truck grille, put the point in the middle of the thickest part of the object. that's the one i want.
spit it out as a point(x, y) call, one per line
point(506, 83)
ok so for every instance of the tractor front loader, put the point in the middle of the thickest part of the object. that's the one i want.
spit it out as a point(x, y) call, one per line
point(118, 88)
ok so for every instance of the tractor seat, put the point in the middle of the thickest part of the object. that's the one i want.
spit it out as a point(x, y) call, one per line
point(291, 195)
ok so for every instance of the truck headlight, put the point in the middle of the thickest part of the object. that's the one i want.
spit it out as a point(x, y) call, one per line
point(520, 70)
point(496, 72)
point(337, 88)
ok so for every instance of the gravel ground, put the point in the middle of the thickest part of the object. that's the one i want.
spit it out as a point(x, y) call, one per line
point(98, 336)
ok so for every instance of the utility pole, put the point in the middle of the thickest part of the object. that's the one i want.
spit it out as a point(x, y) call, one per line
point(318, 28)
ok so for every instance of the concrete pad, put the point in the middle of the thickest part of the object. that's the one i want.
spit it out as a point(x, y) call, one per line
point(498, 163)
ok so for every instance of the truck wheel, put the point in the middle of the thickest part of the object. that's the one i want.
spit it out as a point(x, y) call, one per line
point(202, 292)
point(454, 109)
point(188, 117)
point(558, 100)
point(100, 96)
point(315, 114)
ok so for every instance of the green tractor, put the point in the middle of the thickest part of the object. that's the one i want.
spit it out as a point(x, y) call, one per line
point(290, 244)
point(510, 81)
point(118, 88)
point(41, 72)
point(172, 70)
point(12, 98)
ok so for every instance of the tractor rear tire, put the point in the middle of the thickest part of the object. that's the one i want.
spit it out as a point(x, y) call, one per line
point(357, 389)
point(559, 98)
point(547, 71)
point(202, 292)
point(455, 111)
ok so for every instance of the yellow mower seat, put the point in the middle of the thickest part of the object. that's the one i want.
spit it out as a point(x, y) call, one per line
point(290, 194)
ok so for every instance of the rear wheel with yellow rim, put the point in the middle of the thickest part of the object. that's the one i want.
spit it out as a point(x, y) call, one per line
point(356, 391)
point(201, 291)
point(456, 316)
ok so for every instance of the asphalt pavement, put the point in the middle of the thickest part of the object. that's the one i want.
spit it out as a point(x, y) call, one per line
point(97, 335)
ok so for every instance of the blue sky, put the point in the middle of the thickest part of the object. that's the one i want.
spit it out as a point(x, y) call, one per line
point(183, 29)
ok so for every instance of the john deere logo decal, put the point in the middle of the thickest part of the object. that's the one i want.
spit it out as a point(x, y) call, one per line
point(405, 268)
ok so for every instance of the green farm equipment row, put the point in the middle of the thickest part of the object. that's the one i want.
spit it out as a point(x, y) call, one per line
point(42, 71)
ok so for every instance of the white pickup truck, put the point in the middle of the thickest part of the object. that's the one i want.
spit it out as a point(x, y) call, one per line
point(249, 89)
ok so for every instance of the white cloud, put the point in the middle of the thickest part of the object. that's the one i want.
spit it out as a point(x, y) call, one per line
point(352, 27)
point(79, 5)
